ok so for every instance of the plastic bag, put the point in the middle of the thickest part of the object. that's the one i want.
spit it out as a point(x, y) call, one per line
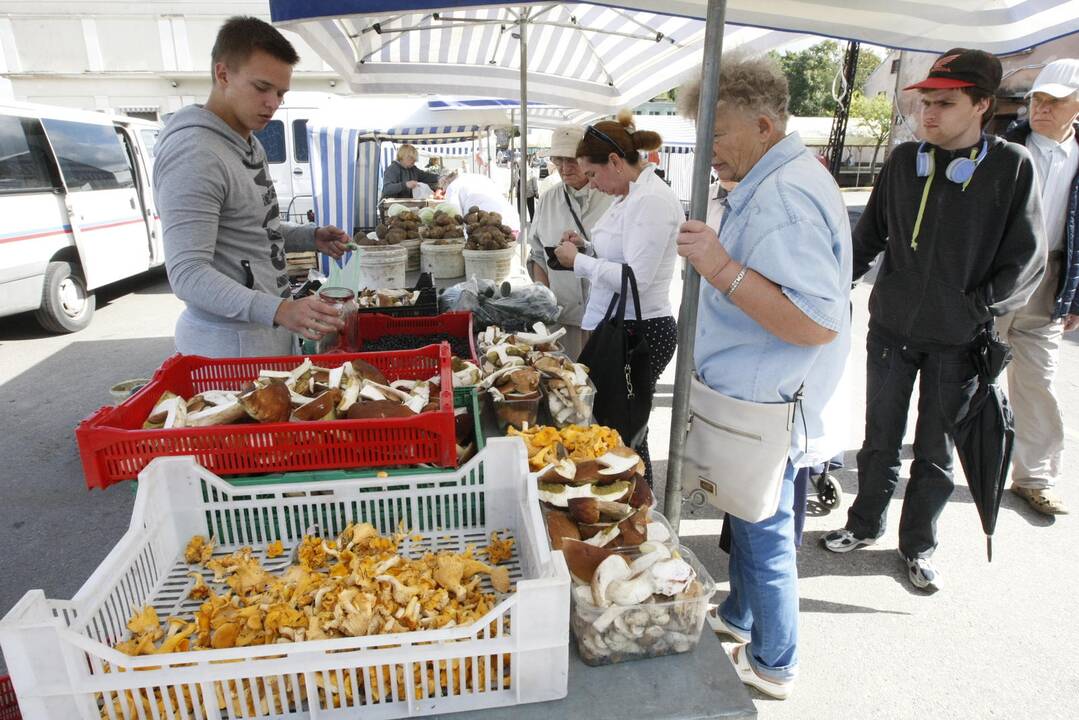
point(422, 191)
point(510, 308)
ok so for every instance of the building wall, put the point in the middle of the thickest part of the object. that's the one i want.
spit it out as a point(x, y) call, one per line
point(146, 58)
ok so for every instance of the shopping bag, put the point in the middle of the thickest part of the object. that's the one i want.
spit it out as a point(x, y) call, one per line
point(620, 367)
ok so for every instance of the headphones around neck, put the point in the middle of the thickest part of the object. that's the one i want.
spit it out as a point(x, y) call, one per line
point(960, 170)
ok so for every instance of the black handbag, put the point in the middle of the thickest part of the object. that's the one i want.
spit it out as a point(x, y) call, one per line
point(620, 367)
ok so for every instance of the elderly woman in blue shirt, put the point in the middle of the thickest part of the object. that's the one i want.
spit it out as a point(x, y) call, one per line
point(773, 317)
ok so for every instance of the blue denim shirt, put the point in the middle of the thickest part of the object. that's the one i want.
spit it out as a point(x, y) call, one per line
point(786, 220)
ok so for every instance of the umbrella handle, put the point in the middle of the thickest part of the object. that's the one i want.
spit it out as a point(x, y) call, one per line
point(989, 547)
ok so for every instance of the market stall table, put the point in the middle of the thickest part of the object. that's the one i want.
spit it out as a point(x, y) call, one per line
point(698, 685)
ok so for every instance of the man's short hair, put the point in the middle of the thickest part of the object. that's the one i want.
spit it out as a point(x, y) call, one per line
point(241, 36)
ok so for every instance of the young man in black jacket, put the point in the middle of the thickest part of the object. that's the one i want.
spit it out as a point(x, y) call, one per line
point(958, 217)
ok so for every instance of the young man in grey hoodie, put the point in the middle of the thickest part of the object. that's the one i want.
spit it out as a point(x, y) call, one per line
point(224, 242)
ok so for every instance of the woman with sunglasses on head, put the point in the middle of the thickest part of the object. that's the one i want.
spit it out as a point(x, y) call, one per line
point(639, 230)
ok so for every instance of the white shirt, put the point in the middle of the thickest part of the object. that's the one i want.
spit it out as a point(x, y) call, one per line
point(639, 230)
point(553, 217)
point(471, 189)
point(1056, 165)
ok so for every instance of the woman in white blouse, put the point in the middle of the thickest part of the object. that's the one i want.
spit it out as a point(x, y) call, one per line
point(639, 229)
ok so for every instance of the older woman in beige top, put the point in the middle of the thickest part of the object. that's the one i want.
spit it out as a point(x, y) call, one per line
point(567, 208)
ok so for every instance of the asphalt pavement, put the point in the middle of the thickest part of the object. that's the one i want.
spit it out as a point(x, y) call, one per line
point(999, 641)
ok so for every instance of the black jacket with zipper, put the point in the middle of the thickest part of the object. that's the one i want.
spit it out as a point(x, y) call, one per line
point(979, 254)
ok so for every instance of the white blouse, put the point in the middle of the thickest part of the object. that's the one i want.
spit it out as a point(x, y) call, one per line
point(639, 230)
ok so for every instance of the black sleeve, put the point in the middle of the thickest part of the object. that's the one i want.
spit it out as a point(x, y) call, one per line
point(428, 178)
point(870, 235)
point(1020, 261)
point(393, 184)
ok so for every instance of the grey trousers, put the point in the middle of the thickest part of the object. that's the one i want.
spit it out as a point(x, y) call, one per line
point(1036, 339)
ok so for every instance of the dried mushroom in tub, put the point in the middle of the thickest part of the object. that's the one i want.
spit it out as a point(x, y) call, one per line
point(306, 393)
point(387, 297)
point(638, 605)
point(443, 224)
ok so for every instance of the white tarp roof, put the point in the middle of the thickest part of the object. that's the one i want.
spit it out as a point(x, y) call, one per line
point(589, 58)
point(998, 26)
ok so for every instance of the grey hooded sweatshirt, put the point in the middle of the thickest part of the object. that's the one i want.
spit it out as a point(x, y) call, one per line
point(224, 242)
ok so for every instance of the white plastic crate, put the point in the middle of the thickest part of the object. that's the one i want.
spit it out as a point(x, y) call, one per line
point(60, 655)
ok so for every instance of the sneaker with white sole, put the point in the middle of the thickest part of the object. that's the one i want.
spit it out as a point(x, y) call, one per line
point(843, 540)
point(720, 626)
point(739, 655)
point(922, 574)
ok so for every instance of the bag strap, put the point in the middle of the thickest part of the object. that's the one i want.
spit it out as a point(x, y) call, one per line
point(584, 233)
point(627, 270)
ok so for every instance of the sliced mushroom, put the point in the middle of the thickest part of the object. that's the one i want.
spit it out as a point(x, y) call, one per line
point(610, 570)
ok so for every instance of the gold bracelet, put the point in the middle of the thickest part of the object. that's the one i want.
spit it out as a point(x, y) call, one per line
point(737, 280)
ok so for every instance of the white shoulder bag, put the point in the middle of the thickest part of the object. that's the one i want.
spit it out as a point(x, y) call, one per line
point(737, 451)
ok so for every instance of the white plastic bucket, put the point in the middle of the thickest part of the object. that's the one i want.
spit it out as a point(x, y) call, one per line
point(413, 247)
point(382, 267)
point(489, 264)
point(442, 261)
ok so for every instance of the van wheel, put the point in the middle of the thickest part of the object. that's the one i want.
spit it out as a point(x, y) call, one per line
point(66, 305)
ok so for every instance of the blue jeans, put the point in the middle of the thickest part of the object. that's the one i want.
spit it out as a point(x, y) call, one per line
point(763, 601)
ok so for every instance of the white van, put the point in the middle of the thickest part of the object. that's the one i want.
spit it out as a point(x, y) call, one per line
point(76, 209)
point(285, 142)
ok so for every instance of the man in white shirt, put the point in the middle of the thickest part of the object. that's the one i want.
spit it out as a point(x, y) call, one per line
point(469, 189)
point(569, 206)
point(1035, 331)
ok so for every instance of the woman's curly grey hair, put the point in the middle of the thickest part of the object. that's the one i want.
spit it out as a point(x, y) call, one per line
point(753, 85)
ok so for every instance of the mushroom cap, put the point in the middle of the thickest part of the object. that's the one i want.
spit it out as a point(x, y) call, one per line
point(367, 371)
point(583, 559)
point(378, 409)
point(559, 528)
point(320, 407)
point(270, 403)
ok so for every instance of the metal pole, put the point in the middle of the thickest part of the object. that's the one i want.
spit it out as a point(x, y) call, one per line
point(522, 179)
point(691, 284)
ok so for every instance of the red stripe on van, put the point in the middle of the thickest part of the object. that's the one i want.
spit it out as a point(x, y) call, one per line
point(67, 231)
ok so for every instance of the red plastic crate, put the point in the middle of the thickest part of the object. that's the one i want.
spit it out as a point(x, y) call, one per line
point(114, 446)
point(9, 704)
point(457, 324)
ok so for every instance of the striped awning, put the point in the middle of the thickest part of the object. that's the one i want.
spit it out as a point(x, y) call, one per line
point(591, 59)
point(346, 26)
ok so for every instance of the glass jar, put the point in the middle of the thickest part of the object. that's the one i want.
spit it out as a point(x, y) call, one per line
point(344, 301)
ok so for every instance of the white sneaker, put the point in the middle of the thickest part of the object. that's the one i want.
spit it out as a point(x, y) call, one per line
point(922, 574)
point(720, 627)
point(843, 540)
point(739, 655)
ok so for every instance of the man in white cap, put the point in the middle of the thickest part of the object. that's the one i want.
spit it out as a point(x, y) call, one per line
point(1036, 330)
point(570, 209)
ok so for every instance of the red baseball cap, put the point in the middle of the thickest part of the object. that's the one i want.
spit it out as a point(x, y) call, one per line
point(961, 67)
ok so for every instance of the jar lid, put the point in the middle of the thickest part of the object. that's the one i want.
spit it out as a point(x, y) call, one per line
point(336, 294)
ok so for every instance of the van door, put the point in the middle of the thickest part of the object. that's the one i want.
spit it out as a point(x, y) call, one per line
point(301, 171)
point(275, 144)
point(102, 201)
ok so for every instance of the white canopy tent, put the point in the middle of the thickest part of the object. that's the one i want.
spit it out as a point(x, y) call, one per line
point(335, 29)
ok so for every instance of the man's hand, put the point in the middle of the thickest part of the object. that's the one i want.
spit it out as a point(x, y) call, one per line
point(566, 252)
point(309, 317)
point(331, 241)
point(411, 184)
point(1071, 322)
point(698, 243)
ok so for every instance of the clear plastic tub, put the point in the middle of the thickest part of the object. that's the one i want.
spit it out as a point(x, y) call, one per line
point(563, 414)
point(517, 411)
point(651, 629)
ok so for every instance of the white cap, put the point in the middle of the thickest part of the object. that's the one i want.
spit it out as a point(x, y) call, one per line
point(1059, 78)
point(565, 139)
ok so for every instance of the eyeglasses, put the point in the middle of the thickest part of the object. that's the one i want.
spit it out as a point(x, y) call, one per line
point(599, 134)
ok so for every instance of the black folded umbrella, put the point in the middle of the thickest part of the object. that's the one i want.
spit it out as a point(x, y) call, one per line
point(985, 433)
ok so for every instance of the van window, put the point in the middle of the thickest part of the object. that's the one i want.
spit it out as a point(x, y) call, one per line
point(25, 161)
point(149, 139)
point(272, 138)
point(299, 140)
point(91, 156)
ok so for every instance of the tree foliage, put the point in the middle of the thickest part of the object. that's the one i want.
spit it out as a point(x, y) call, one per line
point(812, 72)
point(875, 112)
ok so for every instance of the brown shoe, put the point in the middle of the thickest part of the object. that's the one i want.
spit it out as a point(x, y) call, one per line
point(1044, 501)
